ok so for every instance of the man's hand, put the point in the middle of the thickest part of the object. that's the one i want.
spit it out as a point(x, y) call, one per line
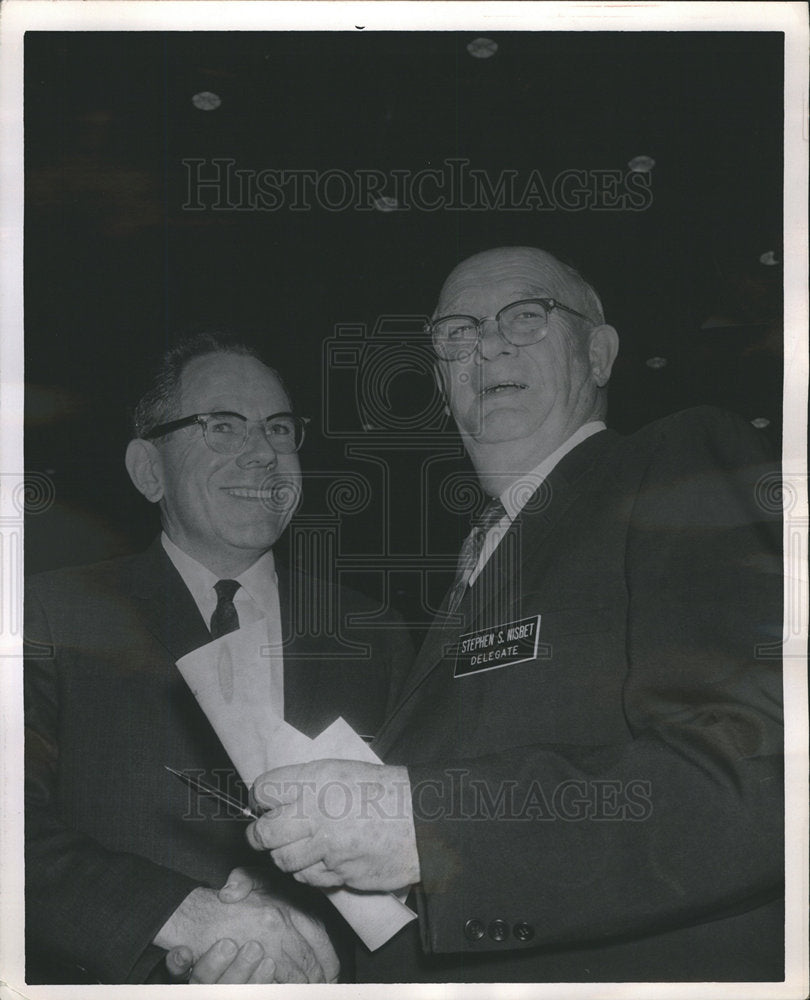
point(224, 962)
point(296, 944)
point(338, 822)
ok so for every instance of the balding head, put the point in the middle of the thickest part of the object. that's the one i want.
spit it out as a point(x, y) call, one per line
point(521, 264)
point(515, 404)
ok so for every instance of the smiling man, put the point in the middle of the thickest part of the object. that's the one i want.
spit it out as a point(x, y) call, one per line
point(120, 864)
point(226, 482)
point(583, 769)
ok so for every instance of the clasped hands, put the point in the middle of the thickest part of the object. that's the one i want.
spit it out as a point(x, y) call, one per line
point(245, 934)
point(329, 823)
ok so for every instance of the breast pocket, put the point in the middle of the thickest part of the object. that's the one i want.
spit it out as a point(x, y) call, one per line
point(577, 621)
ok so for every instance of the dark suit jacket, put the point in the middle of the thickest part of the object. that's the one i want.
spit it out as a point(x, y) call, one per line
point(113, 842)
point(609, 809)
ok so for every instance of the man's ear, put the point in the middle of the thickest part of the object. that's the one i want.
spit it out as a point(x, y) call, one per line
point(603, 346)
point(145, 468)
point(438, 374)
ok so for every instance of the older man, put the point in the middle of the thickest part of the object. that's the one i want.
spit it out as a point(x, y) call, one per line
point(119, 863)
point(583, 770)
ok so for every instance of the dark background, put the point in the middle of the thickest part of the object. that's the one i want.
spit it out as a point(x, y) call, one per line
point(114, 264)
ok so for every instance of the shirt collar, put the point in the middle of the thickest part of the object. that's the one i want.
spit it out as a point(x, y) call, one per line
point(258, 581)
point(517, 494)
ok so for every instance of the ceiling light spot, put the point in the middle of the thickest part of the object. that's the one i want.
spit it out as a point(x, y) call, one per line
point(761, 422)
point(641, 164)
point(482, 48)
point(768, 258)
point(206, 101)
point(656, 363)
point(386, 204)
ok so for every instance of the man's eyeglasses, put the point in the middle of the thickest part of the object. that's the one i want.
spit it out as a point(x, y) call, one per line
point(227, 433)
point(520, 323)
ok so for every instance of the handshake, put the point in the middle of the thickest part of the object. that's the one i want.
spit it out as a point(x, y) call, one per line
point(244, 934)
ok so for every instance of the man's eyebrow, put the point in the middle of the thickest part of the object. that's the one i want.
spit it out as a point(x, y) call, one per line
point(213, 411)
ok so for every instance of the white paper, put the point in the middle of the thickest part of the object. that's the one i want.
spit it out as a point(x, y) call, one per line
point(230, 679)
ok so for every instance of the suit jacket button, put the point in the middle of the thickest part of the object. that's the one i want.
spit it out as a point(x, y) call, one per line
point(499, 930)
point(474, 930)
point(523, 931)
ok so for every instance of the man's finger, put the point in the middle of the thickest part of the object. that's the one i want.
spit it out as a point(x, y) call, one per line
point(314, 932)
point(319, 876)
point(276, 830)
point(210, 966)
point(265, 972)
point(244, 965)
point(277, 787)
point(300, 854)
point(179, 962)
point(288, 971)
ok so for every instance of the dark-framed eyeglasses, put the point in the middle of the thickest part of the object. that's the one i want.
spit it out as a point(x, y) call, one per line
point(227, 433)
point(520, 323)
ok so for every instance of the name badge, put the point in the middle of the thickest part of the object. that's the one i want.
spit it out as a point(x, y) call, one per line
point(498, 646)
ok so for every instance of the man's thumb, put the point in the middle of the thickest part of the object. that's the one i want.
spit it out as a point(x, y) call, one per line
point(179, 962)
point(239, 884)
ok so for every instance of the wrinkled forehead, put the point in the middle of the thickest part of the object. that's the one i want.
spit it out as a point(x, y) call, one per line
point(485, 283)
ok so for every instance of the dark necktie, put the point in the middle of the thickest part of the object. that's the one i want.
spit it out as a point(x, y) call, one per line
point(471, 550)
point(224, 619)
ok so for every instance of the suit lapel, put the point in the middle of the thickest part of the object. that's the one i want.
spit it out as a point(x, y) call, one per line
point(167, 607)
point(499, 583)
point(169, 612)
point(285, 587)
point(526, 535)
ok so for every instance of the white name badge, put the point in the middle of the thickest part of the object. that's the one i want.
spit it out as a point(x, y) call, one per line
point(497, 646)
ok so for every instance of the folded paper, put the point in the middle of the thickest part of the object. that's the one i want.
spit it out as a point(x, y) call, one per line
point(230, 678)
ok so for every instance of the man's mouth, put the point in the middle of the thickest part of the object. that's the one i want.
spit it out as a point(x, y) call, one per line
point(248, 493)
point(266, 496)
point(281, 496)
point(496, 388)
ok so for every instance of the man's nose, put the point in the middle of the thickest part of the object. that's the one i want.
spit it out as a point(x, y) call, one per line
point(491, 342)
point(257, 450)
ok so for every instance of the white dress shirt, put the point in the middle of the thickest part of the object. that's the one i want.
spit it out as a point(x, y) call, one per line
point(256, 598)
point(515, 497)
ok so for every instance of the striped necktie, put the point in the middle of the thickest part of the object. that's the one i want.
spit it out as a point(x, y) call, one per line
point(471, 550)
point(225, 618)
